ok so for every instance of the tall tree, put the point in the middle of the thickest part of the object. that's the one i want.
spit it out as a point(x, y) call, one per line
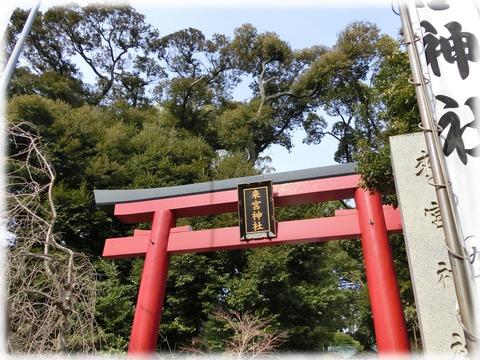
point(113, 42)
point(202, 76)
point(344, 91)
point(397, 107)
point(278, 104)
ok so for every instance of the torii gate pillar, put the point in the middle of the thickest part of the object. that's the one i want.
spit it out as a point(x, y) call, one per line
point(151, 293)
point(381, 278)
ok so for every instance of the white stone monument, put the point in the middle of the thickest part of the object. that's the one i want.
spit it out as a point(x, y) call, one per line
point(430, 271)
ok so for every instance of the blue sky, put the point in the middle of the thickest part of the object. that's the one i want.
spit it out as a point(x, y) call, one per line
point(302, 23)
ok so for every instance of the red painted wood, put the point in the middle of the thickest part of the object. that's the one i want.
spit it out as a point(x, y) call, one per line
point(388, 318)
point(140, 232)
point(133, 246)
point(343, 226)
point(289, 232)
point(345, 212)
point(148, 312)
point(302, 192)
point(125, 247)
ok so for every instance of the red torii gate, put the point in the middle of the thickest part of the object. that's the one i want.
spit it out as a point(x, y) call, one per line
point(370, 221)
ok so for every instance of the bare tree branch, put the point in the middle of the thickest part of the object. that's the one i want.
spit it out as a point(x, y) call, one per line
point(251, 337)
point(51, 289)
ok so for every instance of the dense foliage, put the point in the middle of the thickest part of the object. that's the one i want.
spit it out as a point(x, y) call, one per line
point(159, 111)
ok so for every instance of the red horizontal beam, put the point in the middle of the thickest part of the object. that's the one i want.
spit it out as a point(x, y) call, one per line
point(181, 240)
point(295, 193)
point(133, 246)
point(289, 232)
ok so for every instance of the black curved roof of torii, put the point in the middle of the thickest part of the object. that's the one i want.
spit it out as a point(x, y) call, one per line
point(106, 199)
